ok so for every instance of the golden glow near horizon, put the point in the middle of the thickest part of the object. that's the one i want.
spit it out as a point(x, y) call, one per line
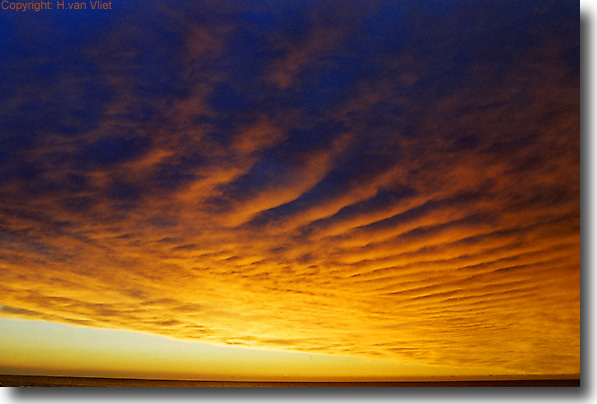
point(391, 209)
point(35, 347)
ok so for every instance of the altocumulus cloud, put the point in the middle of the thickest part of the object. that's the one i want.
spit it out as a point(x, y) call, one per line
point(391, 179)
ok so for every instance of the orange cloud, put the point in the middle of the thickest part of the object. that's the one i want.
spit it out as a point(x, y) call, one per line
point(295, 192)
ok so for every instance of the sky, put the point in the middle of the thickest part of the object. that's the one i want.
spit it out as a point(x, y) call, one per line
point(388, 188)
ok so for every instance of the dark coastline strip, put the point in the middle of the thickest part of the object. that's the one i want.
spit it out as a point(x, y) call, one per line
point(61, 381)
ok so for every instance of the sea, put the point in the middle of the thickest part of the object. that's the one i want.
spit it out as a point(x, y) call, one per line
point(63, 381)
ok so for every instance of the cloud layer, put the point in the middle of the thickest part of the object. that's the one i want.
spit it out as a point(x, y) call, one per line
point(388, 179)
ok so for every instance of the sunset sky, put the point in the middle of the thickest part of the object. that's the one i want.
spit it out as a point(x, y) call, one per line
point(290, 190)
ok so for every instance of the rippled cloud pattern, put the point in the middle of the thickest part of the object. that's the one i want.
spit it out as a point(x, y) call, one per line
point(394, 179)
